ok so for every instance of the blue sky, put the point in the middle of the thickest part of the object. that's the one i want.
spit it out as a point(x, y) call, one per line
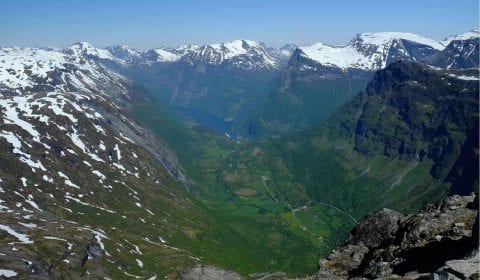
point(148, 24)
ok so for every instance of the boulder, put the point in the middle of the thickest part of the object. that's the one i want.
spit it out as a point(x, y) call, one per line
point(376, 228)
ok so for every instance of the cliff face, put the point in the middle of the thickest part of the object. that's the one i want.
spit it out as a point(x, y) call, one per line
point(440, 242)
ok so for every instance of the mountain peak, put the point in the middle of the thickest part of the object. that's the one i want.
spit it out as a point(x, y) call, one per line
point(372, 51)
point(472, 34)
point(288, 49)
point(85, 48)
point(381, 38)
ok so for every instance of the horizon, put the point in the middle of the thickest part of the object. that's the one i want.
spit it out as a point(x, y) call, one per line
point(211, 43)
point(147, 25)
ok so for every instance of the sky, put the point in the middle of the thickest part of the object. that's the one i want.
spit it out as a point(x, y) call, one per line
point(147, 24)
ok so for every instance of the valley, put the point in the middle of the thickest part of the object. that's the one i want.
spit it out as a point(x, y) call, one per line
point(119, 163)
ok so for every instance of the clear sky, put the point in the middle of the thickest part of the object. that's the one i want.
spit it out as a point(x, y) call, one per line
point(147, 24)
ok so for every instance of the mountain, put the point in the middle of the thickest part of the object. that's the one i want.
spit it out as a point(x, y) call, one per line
point(239, 54)
point(217, 82)
point(72, 159)
point(372, 51)
point(461, 51)
point(283, 53)
point(472, 34)
point(125, 55)
point(242, 54)
point(415, 113)
point(85, 189)
point(320, 77)
point(395, 144)
point(39, 70)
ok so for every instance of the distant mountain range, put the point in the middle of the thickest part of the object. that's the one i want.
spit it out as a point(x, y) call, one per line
point(318, 78)
point(366, 51)
point(247, 85)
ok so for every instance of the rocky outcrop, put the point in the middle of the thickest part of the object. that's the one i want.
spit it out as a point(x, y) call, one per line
point(376, 228)
point(208, 272)
point(440, 242)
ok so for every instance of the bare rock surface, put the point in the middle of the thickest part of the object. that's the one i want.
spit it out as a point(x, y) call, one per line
point(208, 272)
point(440, 242)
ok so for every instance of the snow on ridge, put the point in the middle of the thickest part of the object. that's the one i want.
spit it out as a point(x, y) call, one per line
point(166, 56)
point(81, 48)
point(367, 51)
point(462, 36)
point(22, 68)
point(343, 57)
point(380, 38)
point(13, 62)
point(464, 77)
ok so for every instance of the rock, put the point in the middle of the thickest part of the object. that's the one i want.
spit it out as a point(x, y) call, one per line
point(94, 250)
point(340, 262)
point(269, 275)
point(440, 242)
point(466, 268)
point(208, 272)
point(376, 228)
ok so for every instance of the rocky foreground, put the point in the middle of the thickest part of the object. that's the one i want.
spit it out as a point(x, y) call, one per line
point(440, 242)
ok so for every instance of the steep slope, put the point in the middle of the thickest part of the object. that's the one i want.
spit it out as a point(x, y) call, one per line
point(85, 190)
point(71, 161)
point(411, 113)
point(393, 145)
point(320, 77)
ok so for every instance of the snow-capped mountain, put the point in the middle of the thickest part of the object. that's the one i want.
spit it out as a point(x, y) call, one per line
point(240, 54)
point(34, 69)
point(125, 54)
point(473, 34)
point(461, 51)
point(243, 54)
point(72, 158)
point(283, 53)
point(372, 51)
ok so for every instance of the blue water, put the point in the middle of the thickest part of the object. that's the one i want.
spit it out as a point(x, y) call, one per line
point(208, 120)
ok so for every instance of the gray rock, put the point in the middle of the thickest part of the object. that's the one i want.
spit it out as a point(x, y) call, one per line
point(208, 272)
point(466, 268)
point(376, 228)
point(340, 262)
point(94, 250)
point(440, 242)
